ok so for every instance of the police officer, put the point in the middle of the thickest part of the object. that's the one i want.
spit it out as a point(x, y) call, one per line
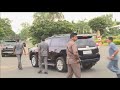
point(18, 50)
point(43, 50)
point(73, 57)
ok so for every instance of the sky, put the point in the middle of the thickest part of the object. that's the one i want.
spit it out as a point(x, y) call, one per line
point(17, 18)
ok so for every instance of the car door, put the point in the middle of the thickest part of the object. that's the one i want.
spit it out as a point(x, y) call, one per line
point(53, 48)
point(48, 41)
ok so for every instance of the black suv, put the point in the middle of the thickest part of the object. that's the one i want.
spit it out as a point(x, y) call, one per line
point(88, 51)
point(7, 47)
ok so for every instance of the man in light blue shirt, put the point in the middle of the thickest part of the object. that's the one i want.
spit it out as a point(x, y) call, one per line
point(113, 57)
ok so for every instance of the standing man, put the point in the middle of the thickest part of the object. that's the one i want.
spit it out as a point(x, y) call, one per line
point(43, 50)
point(73, 60)
point(113, 57)
point(18, 50)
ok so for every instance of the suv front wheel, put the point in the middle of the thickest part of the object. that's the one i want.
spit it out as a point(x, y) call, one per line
point(61, 65)
point(34, 61)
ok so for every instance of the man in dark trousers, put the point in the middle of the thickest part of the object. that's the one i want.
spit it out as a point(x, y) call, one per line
point(73, 60)
point(43, 50)
point(18, 50)
point(113, 57)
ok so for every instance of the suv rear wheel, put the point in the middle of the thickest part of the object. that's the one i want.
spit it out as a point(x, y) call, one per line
point(87, 66)
point(61, 65)
point(3, 55)
point(34, 61)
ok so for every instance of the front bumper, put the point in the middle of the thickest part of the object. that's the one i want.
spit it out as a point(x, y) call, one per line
point(7, 52)
point(90, 60)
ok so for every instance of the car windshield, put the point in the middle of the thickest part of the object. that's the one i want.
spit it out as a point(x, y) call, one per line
point(82, 43)
point(9, 43)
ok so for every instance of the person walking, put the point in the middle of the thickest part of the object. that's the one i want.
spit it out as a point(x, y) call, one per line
point(18, 50)
point(73, 60)
point(43, 50)
point(113, 57)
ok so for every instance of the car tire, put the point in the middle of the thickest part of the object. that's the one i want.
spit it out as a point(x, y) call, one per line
point(34, 61)
point(61, 65)
point(87, 66)
point(3, 55)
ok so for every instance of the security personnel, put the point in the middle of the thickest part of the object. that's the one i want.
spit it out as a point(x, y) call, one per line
point(43, 50)
point(73, 60)
point(18, 50)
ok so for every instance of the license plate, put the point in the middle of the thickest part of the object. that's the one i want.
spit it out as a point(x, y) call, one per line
point(87, 52)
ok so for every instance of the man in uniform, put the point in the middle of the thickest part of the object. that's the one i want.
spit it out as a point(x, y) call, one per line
point(73, 60)
point(18, 50)
point(43, 50)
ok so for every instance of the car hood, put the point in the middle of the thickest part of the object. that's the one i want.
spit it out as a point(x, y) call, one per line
point(34, 49)
point(10, 46)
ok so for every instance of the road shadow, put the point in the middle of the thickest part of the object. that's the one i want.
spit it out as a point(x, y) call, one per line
point(88, 70)
point(53, 69)
point(6, 56)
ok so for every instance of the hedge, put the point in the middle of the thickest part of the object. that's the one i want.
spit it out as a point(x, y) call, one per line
point(117, 42)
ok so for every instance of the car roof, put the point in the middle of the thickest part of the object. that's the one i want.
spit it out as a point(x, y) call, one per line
point(67, 35)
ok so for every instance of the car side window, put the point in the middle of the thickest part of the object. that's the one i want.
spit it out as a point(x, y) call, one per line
point(59, 42)
point(48, 41)
point(54, 42)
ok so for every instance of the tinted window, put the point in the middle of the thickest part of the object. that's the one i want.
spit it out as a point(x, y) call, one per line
point(9, 42)
point(48, 41)
point(85, 42)
point(59, 42)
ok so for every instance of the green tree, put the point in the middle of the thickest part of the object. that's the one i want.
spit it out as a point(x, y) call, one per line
point(6, 31)
point(82, 27)
point(49, 28)
point(50, 16)
point(48, 24)
point(100, 23)
point(24, 34)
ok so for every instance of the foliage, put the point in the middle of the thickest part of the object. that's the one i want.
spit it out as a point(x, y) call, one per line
point(6, 29)
point(100, 23)
point(117, 42)
point(24, 34)
point(82, 27)
point(48, 28)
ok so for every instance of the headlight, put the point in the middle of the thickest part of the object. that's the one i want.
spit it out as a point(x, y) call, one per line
point(2, 49)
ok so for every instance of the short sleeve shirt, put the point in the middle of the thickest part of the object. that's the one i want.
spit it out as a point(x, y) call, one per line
point(19, 48)
point(112, 49)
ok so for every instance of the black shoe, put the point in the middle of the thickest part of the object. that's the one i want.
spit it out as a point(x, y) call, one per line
point(20, 68)
point(39, 71)
point(45, 72)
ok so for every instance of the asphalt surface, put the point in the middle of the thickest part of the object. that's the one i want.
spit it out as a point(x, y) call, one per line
point(8, 68)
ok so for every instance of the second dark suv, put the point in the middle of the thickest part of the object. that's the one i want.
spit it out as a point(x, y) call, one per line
point(88, 51)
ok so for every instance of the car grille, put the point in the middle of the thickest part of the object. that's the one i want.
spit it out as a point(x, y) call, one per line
point(8, 49)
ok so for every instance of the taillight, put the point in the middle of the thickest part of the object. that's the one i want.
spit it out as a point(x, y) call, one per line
point(85, 36)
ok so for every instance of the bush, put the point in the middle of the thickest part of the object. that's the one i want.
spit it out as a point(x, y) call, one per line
point(105, 44)
point(117, 42)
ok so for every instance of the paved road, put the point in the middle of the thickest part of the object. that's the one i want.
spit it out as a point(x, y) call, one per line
point(8, 69)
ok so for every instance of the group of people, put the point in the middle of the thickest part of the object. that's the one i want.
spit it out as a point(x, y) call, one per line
point(72, 59)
